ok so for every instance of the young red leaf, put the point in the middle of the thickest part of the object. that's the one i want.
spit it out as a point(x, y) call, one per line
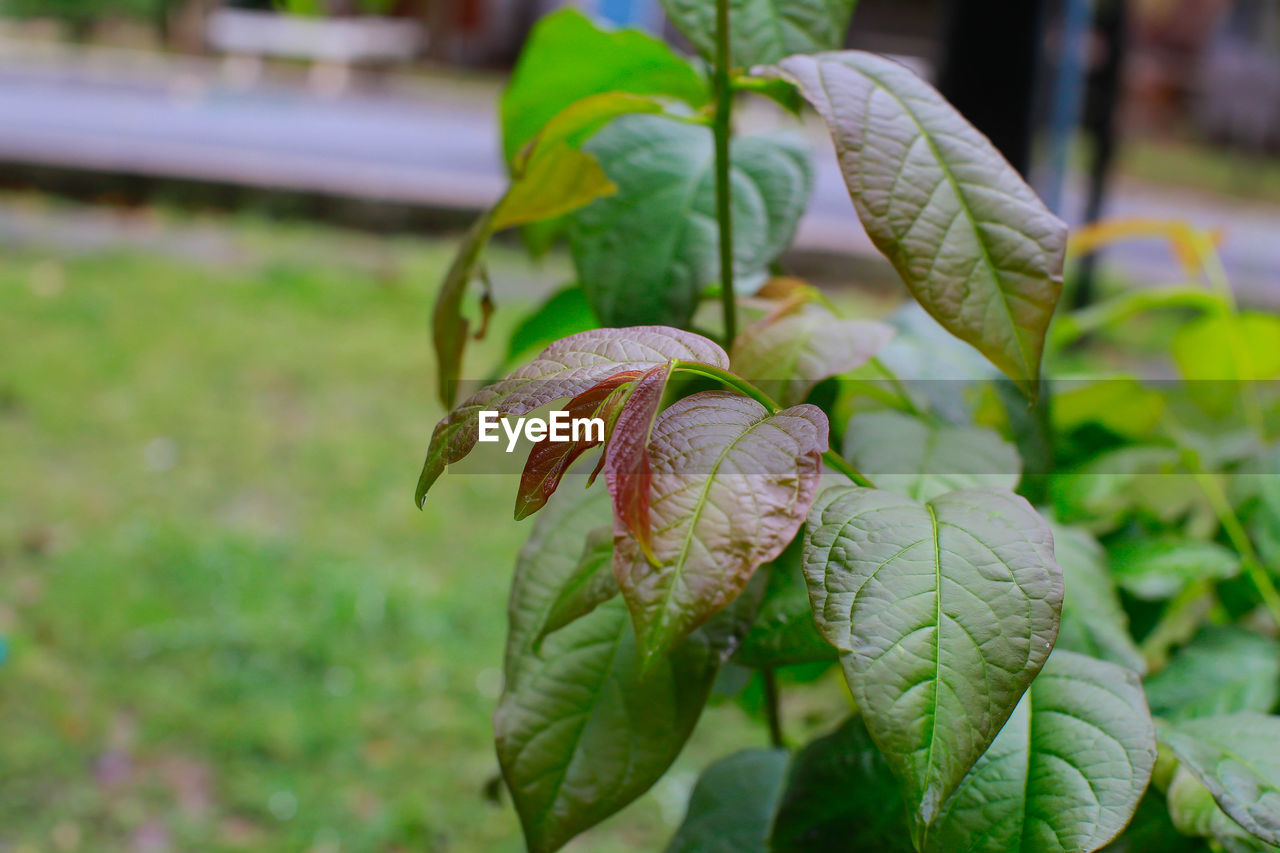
point(729, 487)
point(565, 369)
point(626, 461)
point(549, 460)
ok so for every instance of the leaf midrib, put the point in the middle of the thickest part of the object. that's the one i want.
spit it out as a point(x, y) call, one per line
point(963, 201)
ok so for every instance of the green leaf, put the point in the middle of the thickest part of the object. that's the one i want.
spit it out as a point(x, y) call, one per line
point(943, 614)
point(646, 253)
point(1194, 813)
point(568, 58)
point(1121, 404)
point(1237, 757)
point(1223, 670)
point(971, 240)
point(450, 329)
point(784, 633)
point(1093, 621)
point(1156, 569)
point(841, 795)
point(1204, 349)
point(764, 30)
point(925, 459)
point(565, 313)
point(731, 807)
point(729, 486)
point(591, 584)
point(567, 368)
point(1103, 492)
point(785, 356)
point(580, 734)
point(557, 179)
point(1066, 772)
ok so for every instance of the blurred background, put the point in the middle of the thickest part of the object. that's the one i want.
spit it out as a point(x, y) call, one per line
point(223, 626)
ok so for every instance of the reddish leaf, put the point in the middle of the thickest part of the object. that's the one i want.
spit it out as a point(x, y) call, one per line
point(730, 485)
point(565, 369)
point(626, 462)
point(549, 460)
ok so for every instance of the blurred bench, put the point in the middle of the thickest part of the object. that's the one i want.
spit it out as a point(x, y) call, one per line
point(334, 45)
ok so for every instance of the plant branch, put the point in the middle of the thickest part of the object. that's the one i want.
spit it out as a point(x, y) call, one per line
point(722, 128)
point(1235, 531)
point(772, 708)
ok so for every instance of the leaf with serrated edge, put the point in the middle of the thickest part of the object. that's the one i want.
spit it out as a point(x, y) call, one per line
point(1236, 757)
point(567, 368)
point(1067, 770)
point(764, 30)
point(942, 612)
point(731, 807)
point(729, 486)
point(785, 356)
point(1093, 621)
point(580, 733)
point(973, 243)
point(1222, 670)
point(645, 253)
point(923, 459)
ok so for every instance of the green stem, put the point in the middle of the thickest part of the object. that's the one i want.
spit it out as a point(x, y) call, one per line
point(737, 383)
point(772, 709)
point(723, 128)
point(1249, 559)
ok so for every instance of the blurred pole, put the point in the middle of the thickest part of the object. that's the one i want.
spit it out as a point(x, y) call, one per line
point(990, 56)
point(1068, 90)
point(1101, 107)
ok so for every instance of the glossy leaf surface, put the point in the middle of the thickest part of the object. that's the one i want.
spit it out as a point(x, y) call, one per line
point(580, 733)
point(943, 614)
point(1236, 758)
point(567, 368)
point(973, 243)
point(730, 484)
point(923, 459)
point(645, 253)
point(1066, 772)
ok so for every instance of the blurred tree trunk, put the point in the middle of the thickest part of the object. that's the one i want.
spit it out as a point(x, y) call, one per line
point(990, 55)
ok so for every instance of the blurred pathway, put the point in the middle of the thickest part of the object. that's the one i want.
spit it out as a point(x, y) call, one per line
point(433, 146)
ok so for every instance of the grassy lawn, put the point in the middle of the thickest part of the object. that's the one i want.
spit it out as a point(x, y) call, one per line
point(227, 627)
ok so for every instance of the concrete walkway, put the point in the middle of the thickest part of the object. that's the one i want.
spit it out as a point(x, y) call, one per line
point(428, 145)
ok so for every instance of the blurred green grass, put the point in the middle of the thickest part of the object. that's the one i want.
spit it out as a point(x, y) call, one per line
point(228, 627)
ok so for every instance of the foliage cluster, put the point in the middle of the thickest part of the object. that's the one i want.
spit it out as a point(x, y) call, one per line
point(1011, 573)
